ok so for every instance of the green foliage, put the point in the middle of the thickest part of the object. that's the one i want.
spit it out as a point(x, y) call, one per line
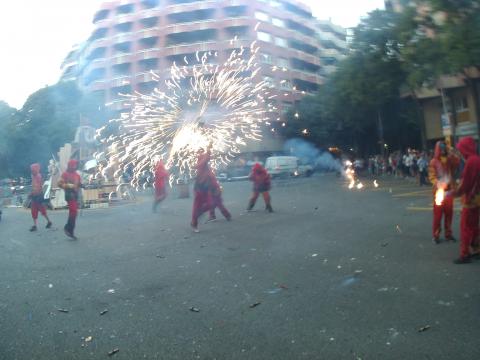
point(46, 122)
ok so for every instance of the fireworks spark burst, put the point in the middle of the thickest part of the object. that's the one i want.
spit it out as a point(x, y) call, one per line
point(204, 104)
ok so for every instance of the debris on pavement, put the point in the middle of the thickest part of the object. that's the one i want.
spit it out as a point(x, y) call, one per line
point(63, 310)
point(314, 255)
point(88, 338)
point(113, 352)
point(424, 328)
point(385, 244)
point(50, 286)
point(283, 286)
point(398, 229)
point(111, 291)
point(104, 312)
point(194, 309)
point(160, 256)
point(254, 305)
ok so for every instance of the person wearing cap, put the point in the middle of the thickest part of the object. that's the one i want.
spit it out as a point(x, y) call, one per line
point(71, 183)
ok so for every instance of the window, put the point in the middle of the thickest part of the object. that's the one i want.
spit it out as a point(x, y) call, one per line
point(269, 80)
point(148, 4)
point(235, 11)
point(149, 22)
point(121, 69)
point(281, 42)
point(266, 58)
point(148, 64)
point(101, 15)
point(286, 84)
point(263, 36)
point(278, 22)
point(283, 62)
point(148, 43)
point(125, 9)
point(123, 48)
point(124, 27)
point(262, 16)
point(461, 104)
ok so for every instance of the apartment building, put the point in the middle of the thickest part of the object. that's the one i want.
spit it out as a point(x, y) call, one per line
point(131, 38)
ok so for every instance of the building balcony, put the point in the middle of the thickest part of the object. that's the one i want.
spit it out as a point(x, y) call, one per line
point(97, 85)
point(147, 33)
point(146, 76)
point(312, 59)
point(119, 80)
point(149, 13)
point(199, 5)
point(190, 47)
point(305, 76)
point(121, 59)
point(94, 64)
point(191, 26)
point(124, 37)
point(149, 54)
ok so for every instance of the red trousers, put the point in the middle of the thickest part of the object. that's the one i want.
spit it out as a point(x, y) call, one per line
point(468, 230)
point(265, 194)
point(217, 201)
point(201, 204)
point(36, 207)
point(446, 209)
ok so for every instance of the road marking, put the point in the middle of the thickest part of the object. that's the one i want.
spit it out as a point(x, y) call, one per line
point(419, 208)
point(414, 193)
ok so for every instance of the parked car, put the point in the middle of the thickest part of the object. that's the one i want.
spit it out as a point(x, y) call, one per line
point(281, 166)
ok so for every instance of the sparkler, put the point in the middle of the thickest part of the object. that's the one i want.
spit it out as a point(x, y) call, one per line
point(220, 106)
point(439, 196)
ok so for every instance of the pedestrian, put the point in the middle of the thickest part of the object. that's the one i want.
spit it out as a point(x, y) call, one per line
point(422, 164)
point(71, 183)
point(469, 189)
point(441, 175)
point(216, 199)
point(37, 198)
point(160, 184)
point(261, 185)
point(201, 188)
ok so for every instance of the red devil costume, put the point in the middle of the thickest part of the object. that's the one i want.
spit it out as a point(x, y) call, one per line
point(202, 187)
point(216, 199)
point(441, 174)
point(161, 176)
point(70, 181)
point(37, 197)
point(469, 189)
point(261, 185)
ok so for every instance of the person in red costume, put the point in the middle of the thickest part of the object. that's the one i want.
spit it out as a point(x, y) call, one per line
point(70, 181)
point(441, 175)
point(261, 185)
point(161, 176)
point(216, 199)
point(201, 188)
point(37, 197)
point(469, 190)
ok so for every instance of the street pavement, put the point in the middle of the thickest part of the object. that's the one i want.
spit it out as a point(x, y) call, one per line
point(332, 274)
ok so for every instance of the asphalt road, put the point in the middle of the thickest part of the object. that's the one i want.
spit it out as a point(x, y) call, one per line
point(332, 274)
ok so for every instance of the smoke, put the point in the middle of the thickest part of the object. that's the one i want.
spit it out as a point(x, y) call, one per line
point(309, 154)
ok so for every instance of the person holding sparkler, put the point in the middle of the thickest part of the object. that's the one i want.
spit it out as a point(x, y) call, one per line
point(37, 198)
point(202, 187)
point(441, 175)
point(161, 176)
point(217, 200)
point(70, 181)
point(261, 185)
point(469, 189)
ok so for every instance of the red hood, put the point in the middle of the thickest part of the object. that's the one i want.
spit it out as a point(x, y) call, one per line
point(467, 146)
point(35, 169)
point(258, 169)
point(72, 165)
point(437, 152)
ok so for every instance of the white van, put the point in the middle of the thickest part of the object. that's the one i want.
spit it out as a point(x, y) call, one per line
point(286, 166)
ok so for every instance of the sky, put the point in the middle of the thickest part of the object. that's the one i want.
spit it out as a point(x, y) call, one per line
point(36, 35)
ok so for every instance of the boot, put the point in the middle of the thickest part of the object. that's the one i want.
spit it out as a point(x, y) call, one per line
point(268, 207)
point(251, 204)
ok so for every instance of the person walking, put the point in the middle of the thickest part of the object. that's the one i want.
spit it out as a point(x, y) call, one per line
point(422, 164)
point(201, 188)
point(71, 183)
point(441, 172)
point(216, 199)
point(469, 190)
point(37, 199)
point(161, 176)
point(261, 185)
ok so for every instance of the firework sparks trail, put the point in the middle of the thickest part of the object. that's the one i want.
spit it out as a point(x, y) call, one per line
point(204, 104)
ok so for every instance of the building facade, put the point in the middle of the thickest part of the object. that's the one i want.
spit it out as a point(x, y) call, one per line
point(132, 38)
